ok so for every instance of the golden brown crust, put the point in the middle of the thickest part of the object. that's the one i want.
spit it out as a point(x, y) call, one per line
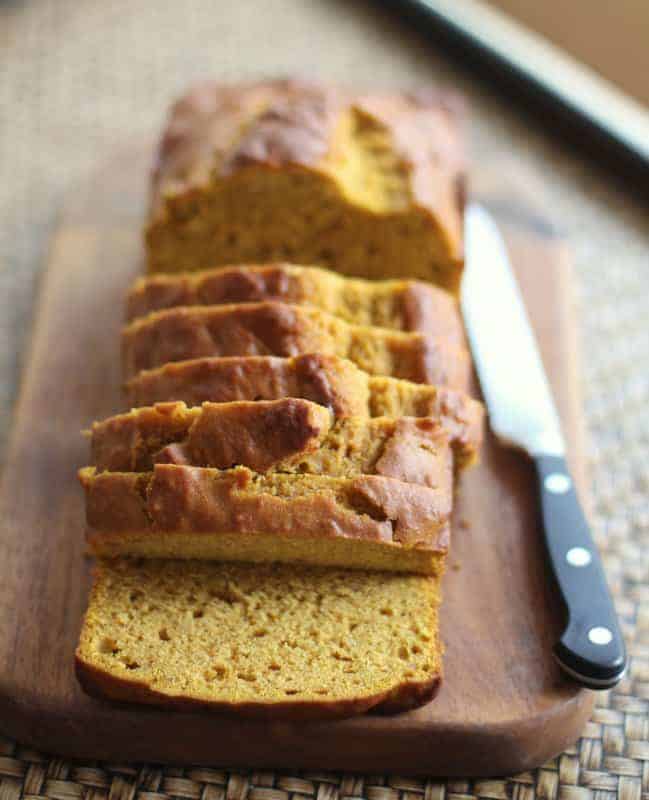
point(280, 329)
point(408, 696)
point(257, 435)
point(401, 305)
point(330, 381)
point(100, 683)
point(219, 134)
point(284, 436)
point(180, 499)
point(292, 122)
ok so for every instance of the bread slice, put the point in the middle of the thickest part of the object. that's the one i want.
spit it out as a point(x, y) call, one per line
point(364, 522)
point(330, 381)
point(274, 641)
point(401, 305)
point(289, 436)
point(281, 329)
point(368, 184)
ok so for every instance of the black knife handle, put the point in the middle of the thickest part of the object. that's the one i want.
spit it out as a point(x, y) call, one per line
point(591, 648)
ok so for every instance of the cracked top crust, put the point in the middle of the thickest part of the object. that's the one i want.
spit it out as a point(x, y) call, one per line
point(200, 501)
point(220, 128)
point(330, 381)
point(397, 304)
point(281, 329)
point(288, 436)
point(365, 158)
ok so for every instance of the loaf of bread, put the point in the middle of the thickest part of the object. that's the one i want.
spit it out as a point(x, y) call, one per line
point(368, 184)
point(273, 641)
point(401, 305)
point(363, 522)
point(272, 517)
point(281, 329)
point(330, 381)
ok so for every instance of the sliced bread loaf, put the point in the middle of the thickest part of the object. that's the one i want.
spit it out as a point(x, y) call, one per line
point(398, 304)
point(289, 435)
point(272, 641)
point(369, 184)
point(281, 329)
point(330, 381)
point(365, 522)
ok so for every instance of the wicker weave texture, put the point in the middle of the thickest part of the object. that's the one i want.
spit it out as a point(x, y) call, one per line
point(610, 761)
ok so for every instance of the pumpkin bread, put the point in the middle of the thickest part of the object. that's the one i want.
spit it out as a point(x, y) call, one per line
point(398, 304)
point(289, 435)
point(371, 184)
point(177, 511)
point(282, 329)
point(333, 382)
point(274, 641)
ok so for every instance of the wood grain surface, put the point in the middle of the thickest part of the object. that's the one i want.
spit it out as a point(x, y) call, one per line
point(504, 706)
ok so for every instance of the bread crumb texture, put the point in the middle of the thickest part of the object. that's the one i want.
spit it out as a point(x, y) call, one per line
point(370, 185)
point(269, 635)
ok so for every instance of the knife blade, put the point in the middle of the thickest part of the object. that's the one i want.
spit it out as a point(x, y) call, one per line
point(522, 414)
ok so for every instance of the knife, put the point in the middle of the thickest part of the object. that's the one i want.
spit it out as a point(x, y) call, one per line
point(522, 414)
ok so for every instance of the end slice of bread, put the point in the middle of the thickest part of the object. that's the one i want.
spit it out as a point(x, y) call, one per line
point(274, 641)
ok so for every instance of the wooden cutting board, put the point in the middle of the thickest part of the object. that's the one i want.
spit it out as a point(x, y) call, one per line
point(504, 706)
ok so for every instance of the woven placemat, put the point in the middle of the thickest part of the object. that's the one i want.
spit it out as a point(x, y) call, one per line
point(610, 760)
point(77, 78)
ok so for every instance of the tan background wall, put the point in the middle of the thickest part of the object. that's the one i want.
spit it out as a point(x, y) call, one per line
point(611, 36)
